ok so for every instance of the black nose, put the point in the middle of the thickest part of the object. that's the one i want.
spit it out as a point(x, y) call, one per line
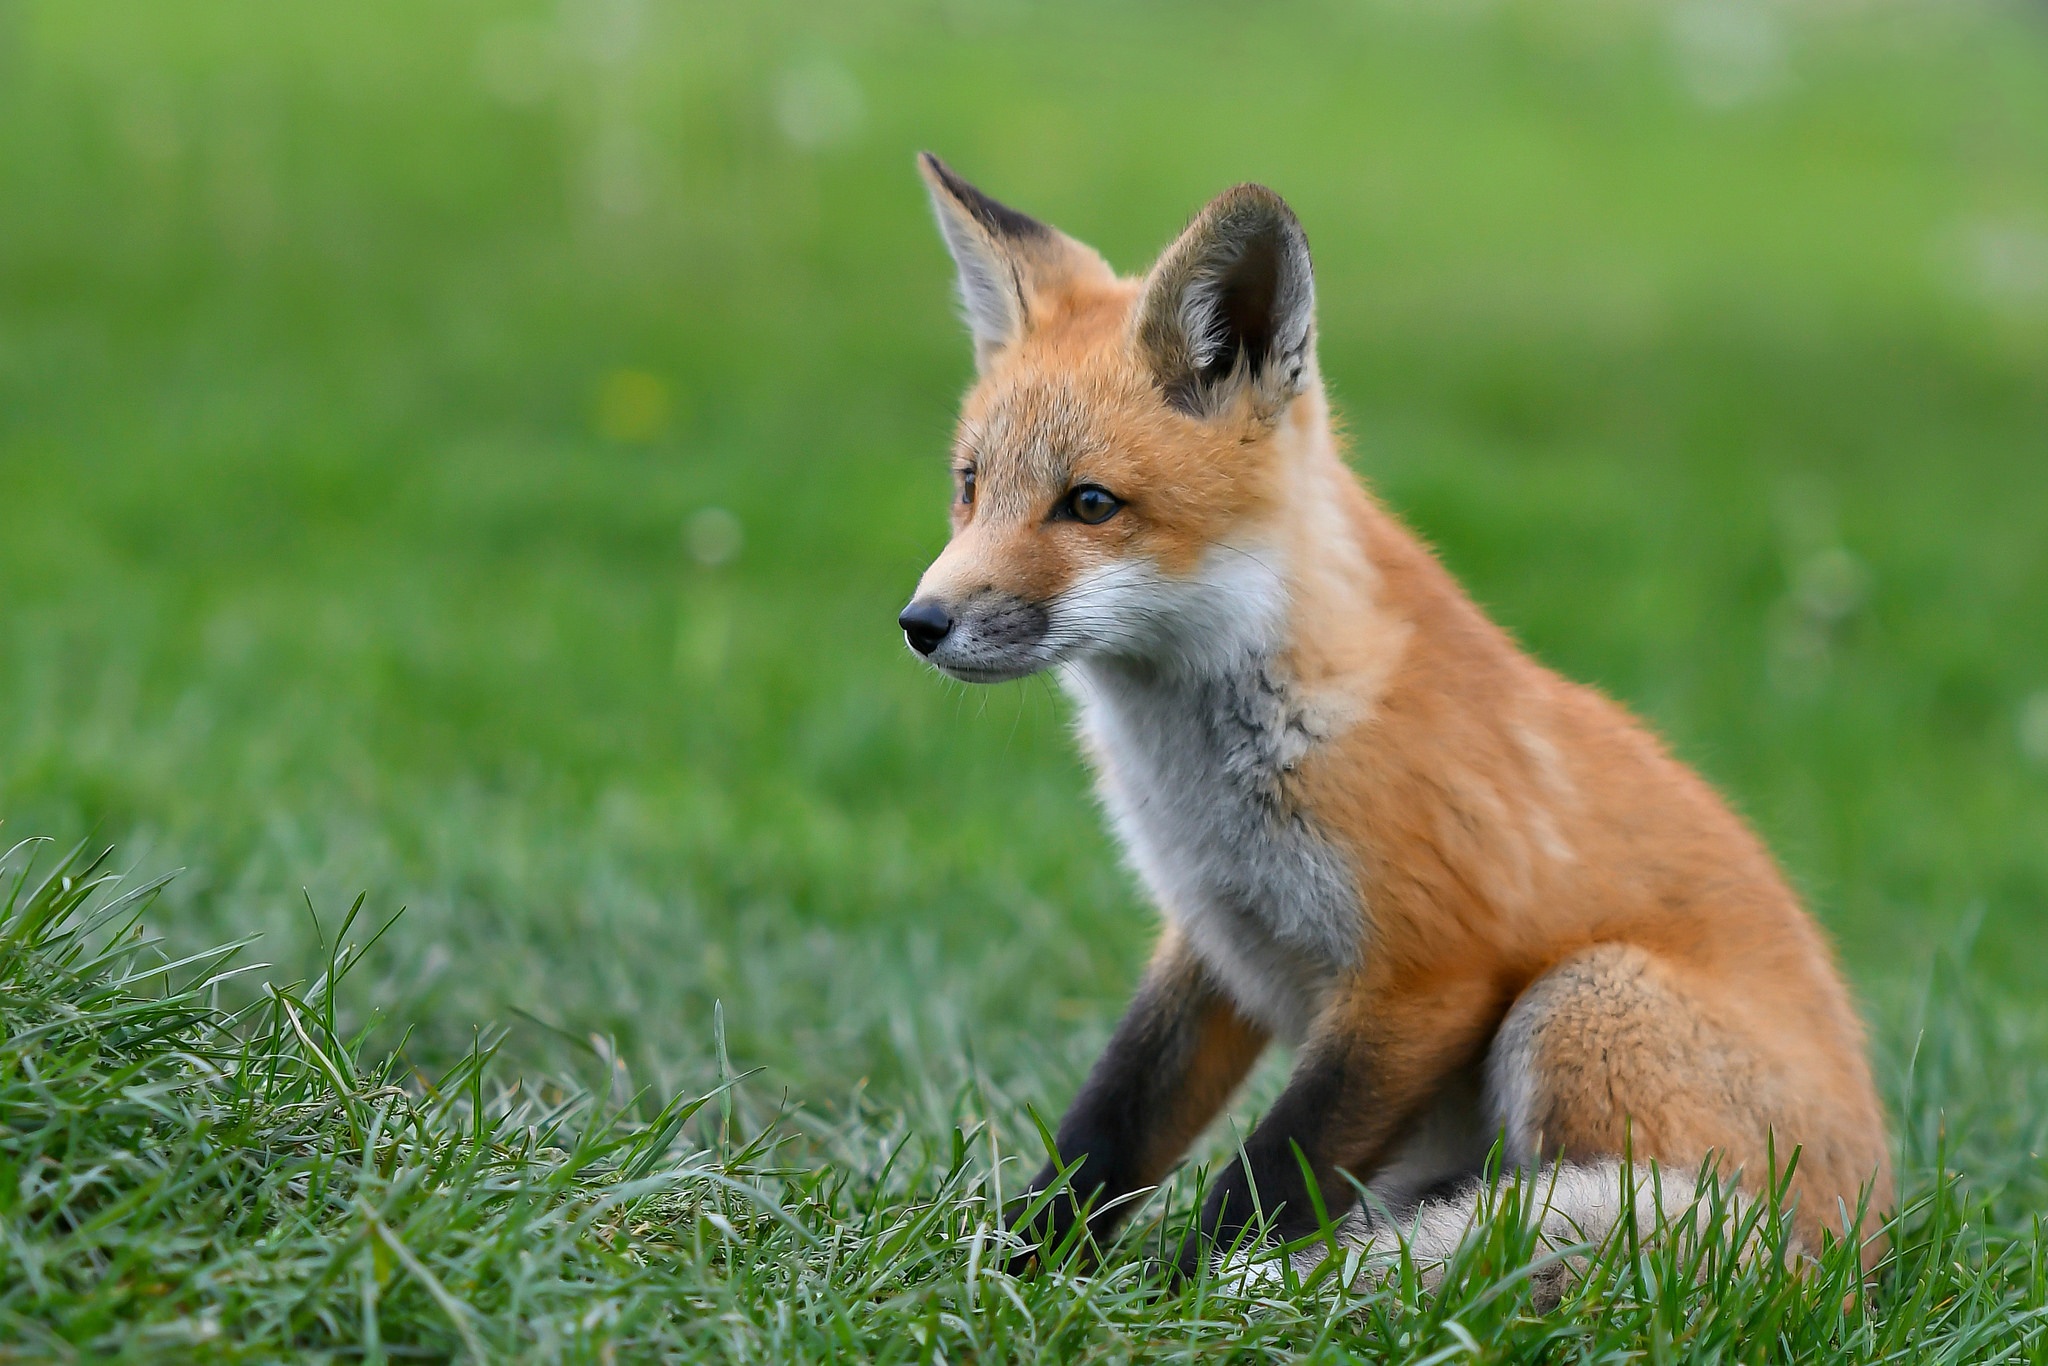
point(925, 624)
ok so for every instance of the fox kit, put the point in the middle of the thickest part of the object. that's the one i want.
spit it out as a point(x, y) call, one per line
point(1481, 902)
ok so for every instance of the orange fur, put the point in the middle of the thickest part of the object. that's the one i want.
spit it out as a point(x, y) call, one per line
point(1512, 836)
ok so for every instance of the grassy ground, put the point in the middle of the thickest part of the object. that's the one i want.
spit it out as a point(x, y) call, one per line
point(473, 455)
point(187, 1181)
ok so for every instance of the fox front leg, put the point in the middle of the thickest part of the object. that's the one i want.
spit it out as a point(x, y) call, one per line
point(1352, 1091)
point(1174, 1060)
point(1325, 1109)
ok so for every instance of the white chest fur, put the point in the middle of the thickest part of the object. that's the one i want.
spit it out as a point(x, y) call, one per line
point(1192, 769)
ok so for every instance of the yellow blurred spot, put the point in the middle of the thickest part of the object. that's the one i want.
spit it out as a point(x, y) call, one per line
point(632, 405)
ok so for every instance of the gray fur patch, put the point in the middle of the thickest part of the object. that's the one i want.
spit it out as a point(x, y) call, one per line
point(1192, 768)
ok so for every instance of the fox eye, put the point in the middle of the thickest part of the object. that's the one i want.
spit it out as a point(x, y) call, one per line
point(1091, 503)
point(967, 485)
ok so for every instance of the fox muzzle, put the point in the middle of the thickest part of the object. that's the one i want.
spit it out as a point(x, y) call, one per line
point(991, 637)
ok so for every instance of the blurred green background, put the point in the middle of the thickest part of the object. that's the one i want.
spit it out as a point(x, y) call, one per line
point(475, 453)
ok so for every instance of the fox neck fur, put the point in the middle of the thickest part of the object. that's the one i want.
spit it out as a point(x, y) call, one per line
point(1197, 744)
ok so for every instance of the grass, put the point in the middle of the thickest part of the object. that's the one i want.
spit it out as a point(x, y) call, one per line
point(472, 456)
point(246, 1185)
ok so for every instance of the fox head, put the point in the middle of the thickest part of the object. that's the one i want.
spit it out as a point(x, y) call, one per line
point(1122, 458)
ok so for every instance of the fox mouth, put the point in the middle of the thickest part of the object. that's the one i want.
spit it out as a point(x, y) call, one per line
point(998, 656)
point(973, 673)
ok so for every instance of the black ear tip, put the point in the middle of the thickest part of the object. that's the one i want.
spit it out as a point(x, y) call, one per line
point(939, 176)
point(944, 177)
point(1255, 203)
point(1251, 191)
point(996, 218)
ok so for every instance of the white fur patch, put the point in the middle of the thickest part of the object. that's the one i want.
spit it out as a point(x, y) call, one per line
point(1555, 778)
point(1568, 1206)
point(1567, 1203)
point(1193, 729)
point(987, 284)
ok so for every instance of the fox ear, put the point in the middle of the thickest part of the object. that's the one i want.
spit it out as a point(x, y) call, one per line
point(1009, 262)
point(1232, 304)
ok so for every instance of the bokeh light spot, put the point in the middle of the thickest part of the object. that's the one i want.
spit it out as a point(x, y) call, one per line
point(714, 537)
point(819, 104)
point(2034, 728)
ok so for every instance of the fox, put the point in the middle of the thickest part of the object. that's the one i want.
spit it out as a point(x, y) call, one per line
point(1501, 927)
